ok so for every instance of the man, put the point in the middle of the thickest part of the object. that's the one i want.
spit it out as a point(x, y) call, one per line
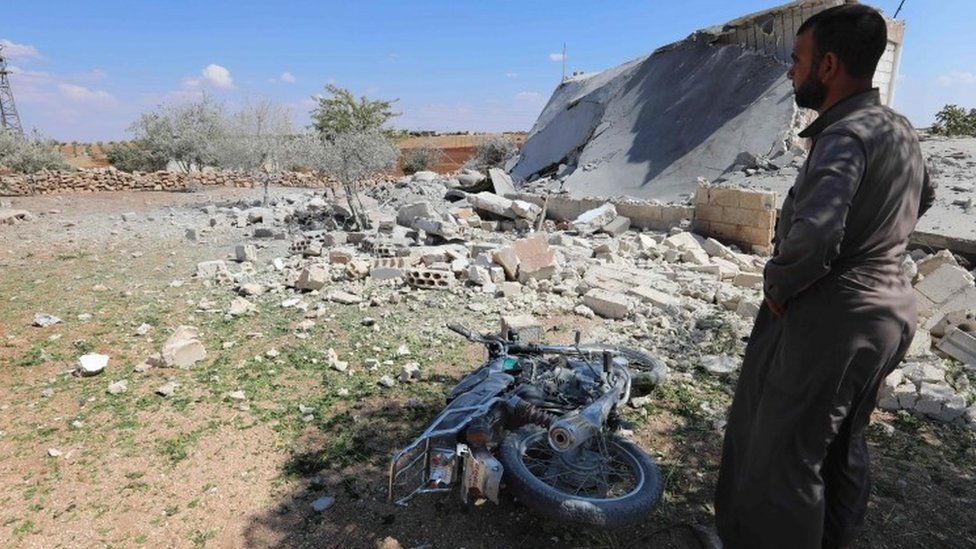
point(838, 314)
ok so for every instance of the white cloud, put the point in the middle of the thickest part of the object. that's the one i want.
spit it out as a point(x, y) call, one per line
point(218, 76)
point(528, 97)
point(511, 75)
point(83, 95)
point(288, 78)
point(557, 57)
point(12, 50)
point(957, 77)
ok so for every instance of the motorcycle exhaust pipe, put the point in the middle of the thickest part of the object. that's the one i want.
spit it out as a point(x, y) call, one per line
point(571, 431)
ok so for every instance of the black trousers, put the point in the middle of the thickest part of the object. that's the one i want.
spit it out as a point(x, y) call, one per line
point(795, 464)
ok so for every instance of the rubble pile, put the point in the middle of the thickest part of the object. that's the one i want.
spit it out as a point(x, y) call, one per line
point(111, 179)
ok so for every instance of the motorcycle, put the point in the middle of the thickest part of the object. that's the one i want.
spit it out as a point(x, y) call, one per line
point(541, 419)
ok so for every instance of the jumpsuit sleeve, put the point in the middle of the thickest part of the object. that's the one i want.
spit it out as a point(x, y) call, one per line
point(836, 167)
point(928, 193)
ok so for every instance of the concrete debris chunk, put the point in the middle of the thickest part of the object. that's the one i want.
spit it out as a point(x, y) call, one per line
point(617, 226)
point(167, 389)
point(118, 387)
point(655, 297)
point(246, 252)
point(719, 364)
point(501, 182)
point(536, 260)
point(929, 264)
point(91, 364)
point(525, 328)
point(210, 270)
point(748, 280)
point(683, 241)
point(11, 217)
point(593, 220)
point(410, 372)
point(44, 320)
point(183, 349)
point(943, 282)
point(240, 306)
point(345, 298)
point(492, 203)
point(508, 260)
point(608, 304)
point(526, 210)
point(312, 277)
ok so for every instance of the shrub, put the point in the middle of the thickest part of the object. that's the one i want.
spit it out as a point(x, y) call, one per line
point(954, 120)
point(418, 160)
point(341, 113)
point(492, 153)
point(30, 154)
point(134, 157)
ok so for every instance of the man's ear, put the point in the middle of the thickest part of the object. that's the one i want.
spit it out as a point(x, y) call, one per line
point(829, 67)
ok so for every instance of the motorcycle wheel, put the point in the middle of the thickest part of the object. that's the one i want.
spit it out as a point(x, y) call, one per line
point(613, 486)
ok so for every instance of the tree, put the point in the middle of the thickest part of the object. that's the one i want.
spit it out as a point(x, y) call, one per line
point(256, 142)
point(187, 134)
point(348, 158)
point(954, 120)
point(30, 154)
point(341, 113)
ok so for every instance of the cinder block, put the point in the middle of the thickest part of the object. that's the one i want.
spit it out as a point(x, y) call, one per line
point(757, 200)
point(724, 231)
point(710, 212)
point(755, 236)
point(723, 197)
point(430, 279)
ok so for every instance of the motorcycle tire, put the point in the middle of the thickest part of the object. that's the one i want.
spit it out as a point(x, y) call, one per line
point(548, 501)
point(638, 359)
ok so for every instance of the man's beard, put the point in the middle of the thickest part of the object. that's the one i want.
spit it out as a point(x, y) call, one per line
point(812, 92)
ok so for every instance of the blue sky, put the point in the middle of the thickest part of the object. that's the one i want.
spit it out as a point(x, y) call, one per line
point(84, 70)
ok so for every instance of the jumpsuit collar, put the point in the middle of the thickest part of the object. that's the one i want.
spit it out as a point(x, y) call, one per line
point(841, 109)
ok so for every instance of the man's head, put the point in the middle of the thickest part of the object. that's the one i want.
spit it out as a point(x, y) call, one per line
point(836, 50)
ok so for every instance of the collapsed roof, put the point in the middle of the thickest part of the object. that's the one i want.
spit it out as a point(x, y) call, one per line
point(697, 108)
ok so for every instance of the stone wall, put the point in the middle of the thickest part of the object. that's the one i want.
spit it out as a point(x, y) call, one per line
point(744, 217)
point(110, 179)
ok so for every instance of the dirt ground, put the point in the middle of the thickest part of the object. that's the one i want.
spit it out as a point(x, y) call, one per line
point(201, 469)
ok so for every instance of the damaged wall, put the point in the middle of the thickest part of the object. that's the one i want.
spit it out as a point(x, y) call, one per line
point(699, 108)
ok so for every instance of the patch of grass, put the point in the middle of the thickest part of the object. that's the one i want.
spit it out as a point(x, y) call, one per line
point(178, 448)
point(68, 256)
point(25, 528)
point(83, 346)
point(33, 357)
point(200, 539)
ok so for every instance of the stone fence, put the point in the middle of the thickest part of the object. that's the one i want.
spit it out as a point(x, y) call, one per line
point(110, 179)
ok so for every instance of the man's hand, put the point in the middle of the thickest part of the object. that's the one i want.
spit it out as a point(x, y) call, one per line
point(776, 308)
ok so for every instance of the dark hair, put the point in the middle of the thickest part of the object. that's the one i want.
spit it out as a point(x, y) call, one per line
point(856, 34)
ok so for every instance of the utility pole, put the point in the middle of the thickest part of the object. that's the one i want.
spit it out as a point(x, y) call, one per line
point(9, 119)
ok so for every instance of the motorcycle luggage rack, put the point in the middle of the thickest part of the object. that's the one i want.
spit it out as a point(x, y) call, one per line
point(415, 470)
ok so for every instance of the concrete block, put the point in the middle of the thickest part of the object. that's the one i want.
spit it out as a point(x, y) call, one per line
point(385, 273)
point(312, 277)
point(340, 256)
point(525, 327)
point(617, 226)
point(608, 304)
point(492, 203)
point(695, 256)
point(929, 264)
point(430, 279)
point(246, 252)
point(724, 196)
point(748, 280)
point(655, 297)
point(757, 200)
point(501, 181)
point(709, 212)
point(959, 345)
point(592, 220)
point(942, 283)
point(715, 248)
point(682, 241)
point(526, 210)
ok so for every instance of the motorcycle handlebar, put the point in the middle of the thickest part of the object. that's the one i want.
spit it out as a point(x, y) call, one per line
point(461, 330)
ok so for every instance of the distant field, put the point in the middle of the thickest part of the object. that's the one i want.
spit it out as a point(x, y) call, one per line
point(457, 149)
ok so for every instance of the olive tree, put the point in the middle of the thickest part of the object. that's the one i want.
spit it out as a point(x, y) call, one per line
point(348, 158)
point(340, 113)
point(188, 134)
point(30, 154)
point(256, 141)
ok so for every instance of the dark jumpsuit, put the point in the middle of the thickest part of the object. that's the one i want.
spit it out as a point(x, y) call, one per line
point(795, 466)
